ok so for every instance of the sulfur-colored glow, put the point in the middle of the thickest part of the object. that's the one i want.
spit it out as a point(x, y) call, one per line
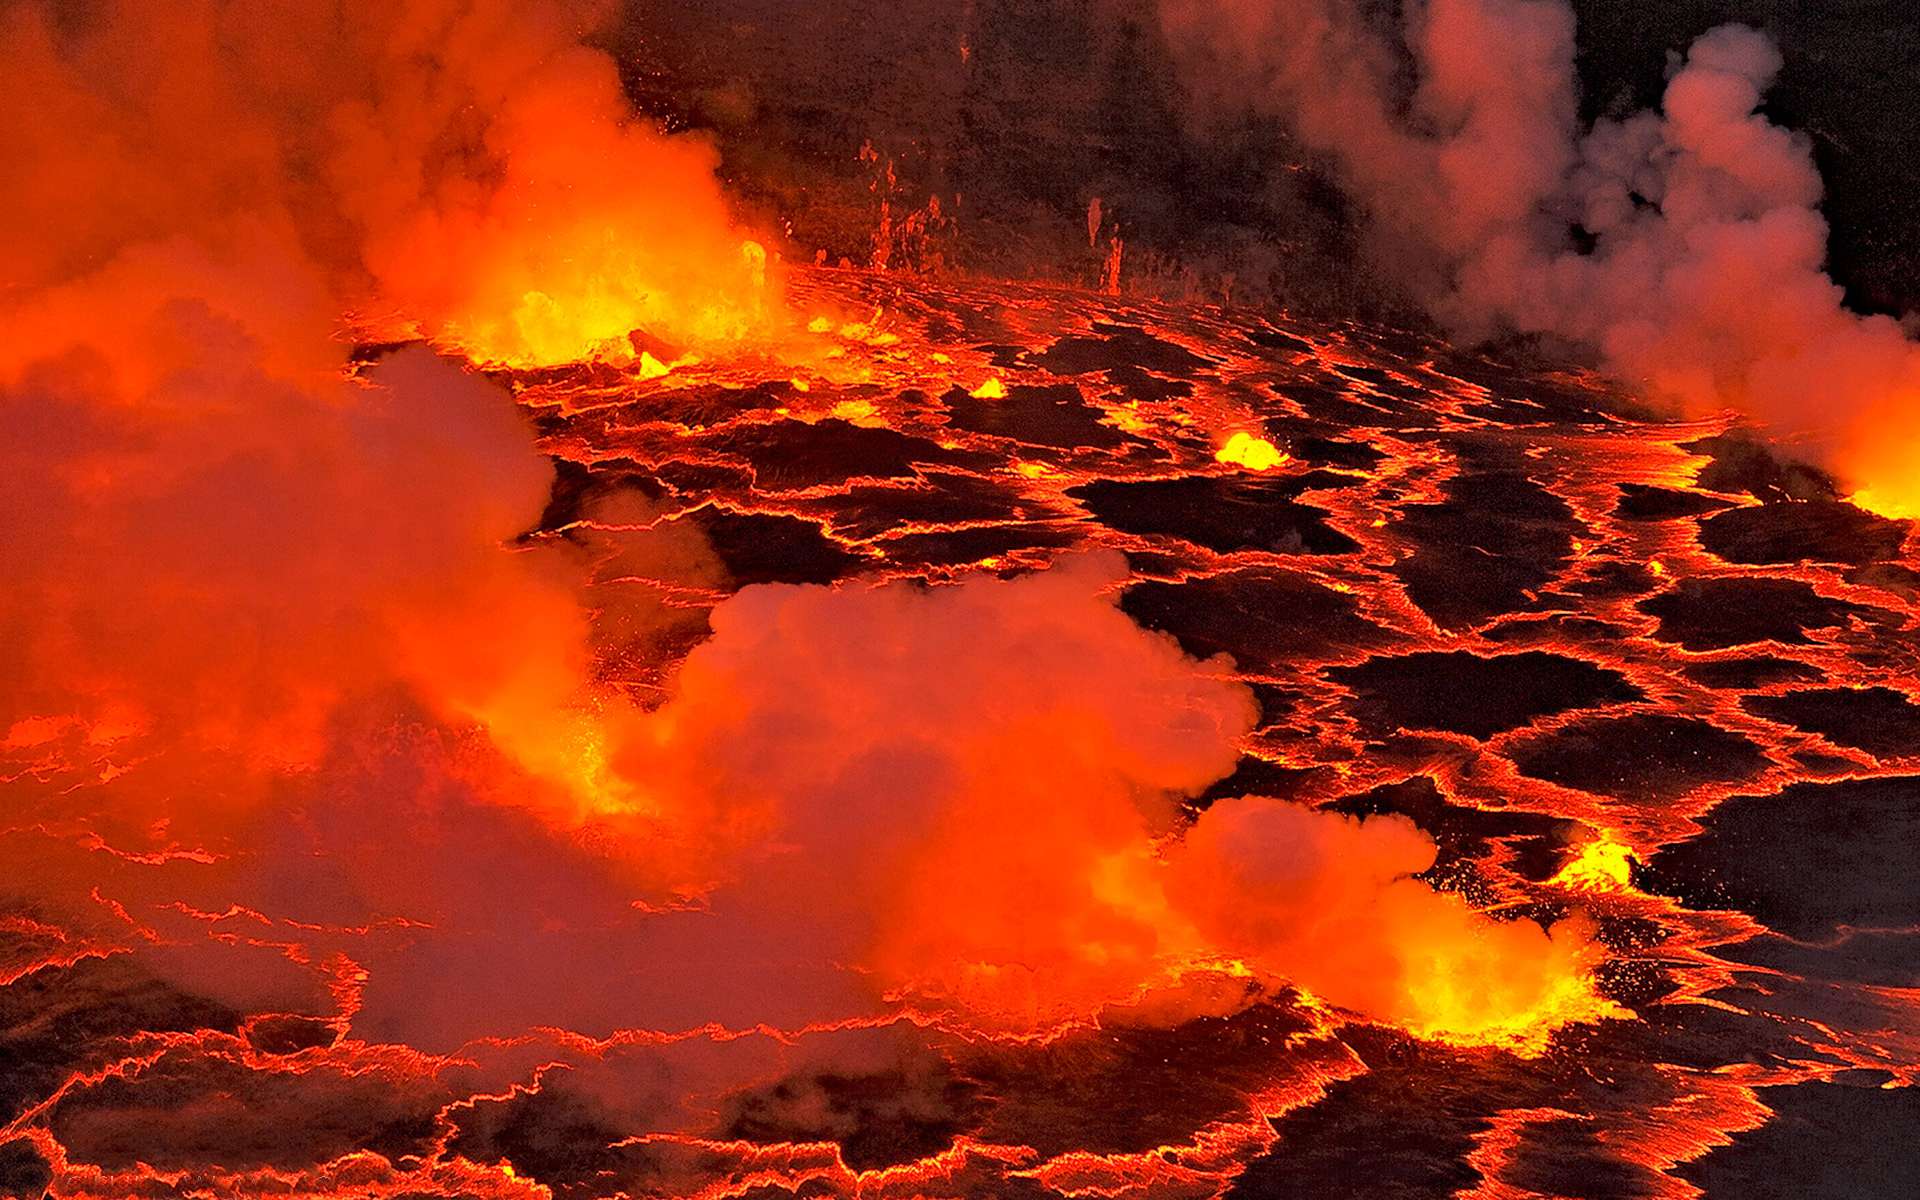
point(1128, 417)
point(1253, 453)
point(1600, 866)
point(1469, 1013)
point(857, 412)
point(1879, 456)
point(992, 389)
point(599, 226)
point(1901, 503)
point(1328, 903)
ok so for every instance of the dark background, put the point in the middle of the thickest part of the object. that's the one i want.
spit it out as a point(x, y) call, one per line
point(1015, 113)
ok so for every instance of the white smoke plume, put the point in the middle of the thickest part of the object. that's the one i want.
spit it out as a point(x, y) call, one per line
point(1701, 276)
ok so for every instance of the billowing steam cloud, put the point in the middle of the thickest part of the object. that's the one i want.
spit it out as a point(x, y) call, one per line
point(976, 786)
point(963, 798)
point(461, 167)
point(212, 533)
point(276, 606)
point(1701, 277)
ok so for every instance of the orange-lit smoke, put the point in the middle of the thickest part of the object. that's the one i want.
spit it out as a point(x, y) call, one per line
point(969, 777)
point(225, 558)
point(1330, 904)
point(598, 226)
point(213, 533)
point(1704, 281)
point(464, 168)
point(223, 550)
point(972, 791)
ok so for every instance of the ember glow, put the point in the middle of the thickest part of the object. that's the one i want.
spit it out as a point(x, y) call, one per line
point(512, 689)
point(591, 235)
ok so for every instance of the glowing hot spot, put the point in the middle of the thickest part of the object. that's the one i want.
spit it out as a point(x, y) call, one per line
point(1255, 454)
point(1601, 866)
point(857, 412)
point(1895, 503)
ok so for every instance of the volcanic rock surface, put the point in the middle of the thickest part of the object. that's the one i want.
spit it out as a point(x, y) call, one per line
point(1498, 601)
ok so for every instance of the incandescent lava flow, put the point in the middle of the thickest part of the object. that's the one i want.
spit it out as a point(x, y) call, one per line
point(1594, 657)
point(650, 721)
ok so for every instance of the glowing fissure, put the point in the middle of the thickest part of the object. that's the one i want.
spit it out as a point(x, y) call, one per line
point(801, 794)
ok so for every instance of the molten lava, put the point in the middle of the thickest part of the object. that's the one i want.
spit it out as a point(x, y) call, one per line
point(884, 831)
point(1253, 453)
point(889, 760)
point(1600, 866)
point(598, 226)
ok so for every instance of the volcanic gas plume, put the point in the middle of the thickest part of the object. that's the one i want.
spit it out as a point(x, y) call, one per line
point(509, 691)
point(226, 541)
point(464, 168)
point(971, 792)
point(1685, 246)
point(178, 305)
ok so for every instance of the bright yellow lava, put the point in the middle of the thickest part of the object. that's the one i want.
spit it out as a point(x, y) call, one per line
point(857, 412)
point(1255, 454)
point(1898, 506)
point(1529, 1033)
point(1601, 866)
point(992, 389)
point(1127, 416)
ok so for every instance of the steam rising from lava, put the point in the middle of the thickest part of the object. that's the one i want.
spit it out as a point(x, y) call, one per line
point(224, 558)
point(221, 536)
point(1701, 277)
point(977, 785)
point(464, 168)
point(225, 552)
